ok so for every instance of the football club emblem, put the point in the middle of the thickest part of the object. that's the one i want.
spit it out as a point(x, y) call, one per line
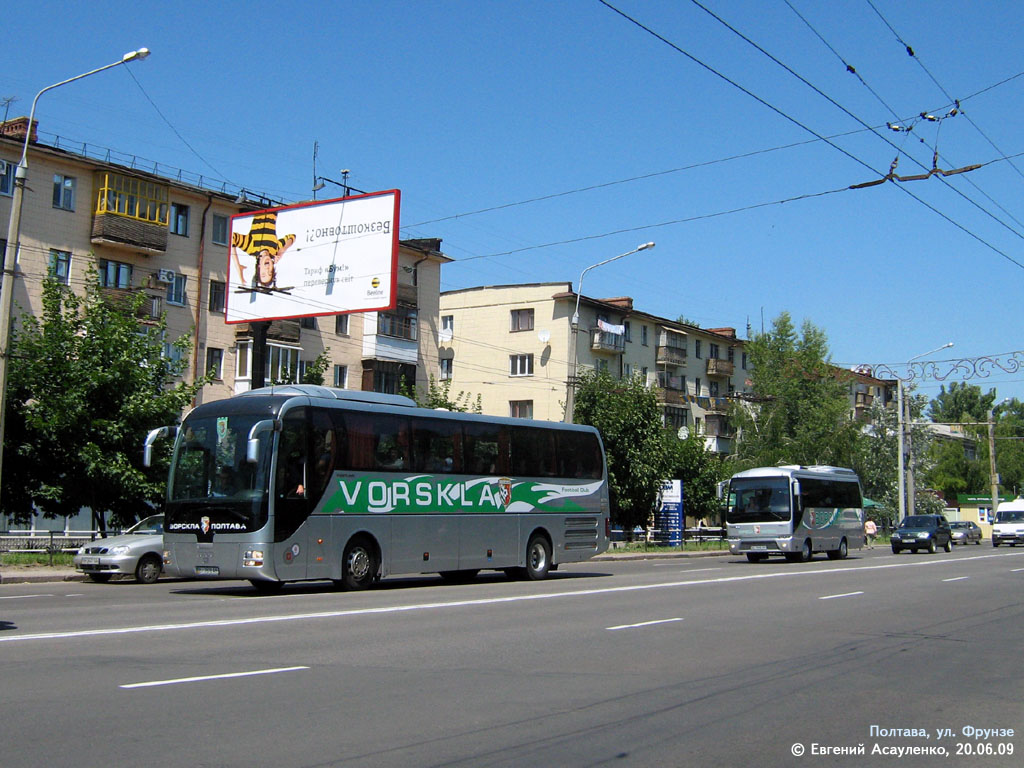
point(505, 490)
point(204, 523)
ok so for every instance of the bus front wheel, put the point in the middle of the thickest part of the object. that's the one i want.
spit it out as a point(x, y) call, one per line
point(840, 553)
point(359, 565)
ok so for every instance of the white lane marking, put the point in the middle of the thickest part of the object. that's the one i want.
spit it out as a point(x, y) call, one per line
point(180, 680)
point(642, 624)
point(845, 594)
point(823, 571)
point(957, 578)
point(21, 597)
point(1016, 570)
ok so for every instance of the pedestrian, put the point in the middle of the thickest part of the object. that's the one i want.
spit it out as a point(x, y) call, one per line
point(870, 531)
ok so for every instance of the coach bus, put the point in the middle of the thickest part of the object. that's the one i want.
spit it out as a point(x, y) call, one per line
point(794, 511)
point(302, 482)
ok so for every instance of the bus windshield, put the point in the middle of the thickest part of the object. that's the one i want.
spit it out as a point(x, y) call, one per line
point(758, 500)
point(211, 478)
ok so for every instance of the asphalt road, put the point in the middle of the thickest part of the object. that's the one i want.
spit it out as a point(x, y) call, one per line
point(708, 661)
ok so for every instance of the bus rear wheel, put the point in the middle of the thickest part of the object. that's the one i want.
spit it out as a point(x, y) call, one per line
point(538, 560)
point(358, 565)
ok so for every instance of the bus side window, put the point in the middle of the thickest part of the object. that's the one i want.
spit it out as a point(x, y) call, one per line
point(323, 455)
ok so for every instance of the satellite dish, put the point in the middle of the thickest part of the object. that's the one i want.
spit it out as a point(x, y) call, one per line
point(683, 433)
point(544, 336)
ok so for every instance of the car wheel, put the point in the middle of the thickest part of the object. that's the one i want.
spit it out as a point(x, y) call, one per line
point(896, 550)
point(949, 546)
point(99, 578)
point(931, 546)
point(359, 564)
point(148, 569)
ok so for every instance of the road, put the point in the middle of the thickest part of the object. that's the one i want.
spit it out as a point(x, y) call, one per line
point(707, 661)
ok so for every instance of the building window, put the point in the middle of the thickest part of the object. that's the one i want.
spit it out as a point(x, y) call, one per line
point(644, 377)
point(520, 365)
point(627, 331)
point(176, 290)
point(696, 387)
point(446, 364)
point(63, 192)
point(522, 320)
point(448, 323)
point(731, 354)
point(282, 364)
point(390, 377)
point(59, 266)
point(179, 219)
point(243, 354)
point(520, 409)
point(643, 335)
point(675, 418)
point(115, 274)
point(218, 291)
point(713, 388)
point(696, 348)
point(340, 376)
point(132, 198)
point(220, 229)
point(744, 361)
point(712, 351)
point(215, 362)
point(7, 178)
point(628, 372)
point(341, 325)
point(399, 323)
point(309, 323)
point(601, 365)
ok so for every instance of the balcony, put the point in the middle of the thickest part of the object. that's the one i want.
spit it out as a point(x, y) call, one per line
point(602, 341)
point(667, 355)
point(718, 367)
point(119, 231)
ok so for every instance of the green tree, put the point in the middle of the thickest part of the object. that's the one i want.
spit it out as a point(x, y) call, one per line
point(440, 396)
point(960, 403)
point(317, 369)
point(86, 384)
point(799, 409)
point(700, 470)
point(628, 417)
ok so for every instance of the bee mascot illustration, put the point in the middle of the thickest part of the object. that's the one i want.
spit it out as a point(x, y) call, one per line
point(262, 243)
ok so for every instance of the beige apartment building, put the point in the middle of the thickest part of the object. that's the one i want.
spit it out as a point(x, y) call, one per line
point(514, 346)
point(165, 237)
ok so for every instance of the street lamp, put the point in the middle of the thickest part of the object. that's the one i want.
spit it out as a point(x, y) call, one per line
point(570, 395)
point(321, 181)
point(14, 235)
point(902, 418)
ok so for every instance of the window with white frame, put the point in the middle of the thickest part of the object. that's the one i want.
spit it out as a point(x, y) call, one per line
point(220, 229)
point(243, 356)
point(59, 266)
point(176, 290)
point(341, 325)
point(7, 178)
point(215, 362)
point(341, 376)
point(179, 219)
point(520, 365)
point(520, 409)
point(115, 274)
point(63, 192)
point(448, 323)
point(521, 320)
point(446, 365)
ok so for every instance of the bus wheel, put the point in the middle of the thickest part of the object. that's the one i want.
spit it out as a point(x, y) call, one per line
point(538, 558)
point(841, 553)
point(359, 565)
point(459, 577)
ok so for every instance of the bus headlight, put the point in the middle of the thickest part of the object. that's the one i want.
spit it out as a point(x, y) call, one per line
point(253, 558)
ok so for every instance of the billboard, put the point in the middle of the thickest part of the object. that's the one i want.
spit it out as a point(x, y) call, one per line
point(320, 258)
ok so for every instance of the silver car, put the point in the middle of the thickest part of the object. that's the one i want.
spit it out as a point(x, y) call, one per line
point(965, 532)
point(138, 551)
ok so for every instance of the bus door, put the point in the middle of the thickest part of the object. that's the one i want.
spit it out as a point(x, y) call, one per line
point(292, 498)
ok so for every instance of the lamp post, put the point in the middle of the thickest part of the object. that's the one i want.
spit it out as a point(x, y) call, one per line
point(321, 182)
point(904, 445)
point(570, 394)
point(14, 235)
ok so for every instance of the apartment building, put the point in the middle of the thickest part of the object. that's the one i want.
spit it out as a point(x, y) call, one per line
point(515, 347)
point(165, 237)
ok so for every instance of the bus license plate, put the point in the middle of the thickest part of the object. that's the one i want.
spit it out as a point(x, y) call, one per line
point(207, 570)
point(759, 546)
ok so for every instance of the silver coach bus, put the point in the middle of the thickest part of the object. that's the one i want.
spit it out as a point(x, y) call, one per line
point(301, 482)
point(794, 511)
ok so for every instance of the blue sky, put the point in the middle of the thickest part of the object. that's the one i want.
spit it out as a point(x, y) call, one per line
point(585, 135)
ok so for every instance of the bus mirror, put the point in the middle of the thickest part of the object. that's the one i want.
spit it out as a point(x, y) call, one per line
point(796, 494)
point(152, 437)
point(721, 489)
point(252, 447)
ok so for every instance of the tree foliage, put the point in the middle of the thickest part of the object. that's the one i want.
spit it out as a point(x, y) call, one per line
point(960, 403)
point(440, 396)
point(800, 412)
point(86, 384)
point(316, 371)
point(700, 470)
point(628, 417)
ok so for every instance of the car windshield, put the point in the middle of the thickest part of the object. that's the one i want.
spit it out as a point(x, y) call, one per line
point(959, 525)
point(1011, 517)
point(151, 524)
point(759, 500)
point(918, 521)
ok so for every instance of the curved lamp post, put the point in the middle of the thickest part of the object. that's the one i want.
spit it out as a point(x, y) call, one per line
point(14, 235)
point(570, 394)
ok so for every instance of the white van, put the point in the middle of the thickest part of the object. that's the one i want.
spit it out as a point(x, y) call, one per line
point(1009, 526)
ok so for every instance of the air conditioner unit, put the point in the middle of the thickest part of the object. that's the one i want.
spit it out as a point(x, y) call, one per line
point(165, 276)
